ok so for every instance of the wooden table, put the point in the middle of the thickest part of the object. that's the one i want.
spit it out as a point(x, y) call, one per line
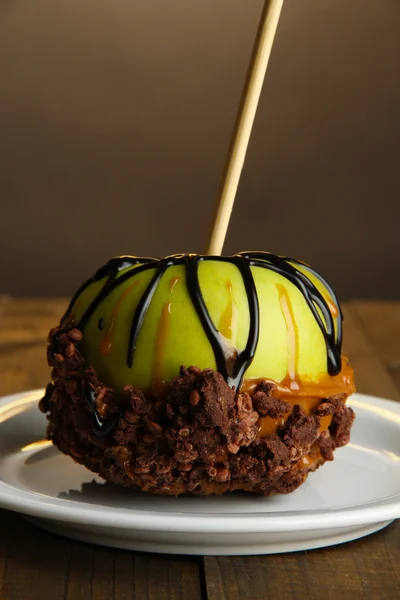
point(37, 565)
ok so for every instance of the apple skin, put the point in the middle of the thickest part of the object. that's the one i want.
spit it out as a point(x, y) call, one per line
point(180, 339)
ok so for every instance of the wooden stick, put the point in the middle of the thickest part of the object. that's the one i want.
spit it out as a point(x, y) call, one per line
point(244, 123)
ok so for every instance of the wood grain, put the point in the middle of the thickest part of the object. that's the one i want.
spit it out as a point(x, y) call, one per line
point(24, 325)
point(371, 374)
point(381, 323)
point(35, 565)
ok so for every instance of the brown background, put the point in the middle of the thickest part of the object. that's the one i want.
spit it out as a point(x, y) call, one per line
point(115, 117)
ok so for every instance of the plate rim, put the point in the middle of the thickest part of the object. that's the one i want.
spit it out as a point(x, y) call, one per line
point(39, 505)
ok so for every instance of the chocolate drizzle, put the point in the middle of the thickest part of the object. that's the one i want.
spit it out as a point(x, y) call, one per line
point(313, 297)
point(231, 370)
point(143, 307)
point(232, 366)
point(100, 427)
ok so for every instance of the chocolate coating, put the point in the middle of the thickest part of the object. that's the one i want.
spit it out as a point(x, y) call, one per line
point(201, 438)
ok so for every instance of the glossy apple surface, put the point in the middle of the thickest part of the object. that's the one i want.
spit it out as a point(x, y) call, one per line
point(172, 334)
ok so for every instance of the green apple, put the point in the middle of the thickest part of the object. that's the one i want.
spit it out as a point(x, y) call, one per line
point(172, 334)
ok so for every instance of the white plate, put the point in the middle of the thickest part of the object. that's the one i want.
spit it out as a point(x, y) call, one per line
point(357, 494)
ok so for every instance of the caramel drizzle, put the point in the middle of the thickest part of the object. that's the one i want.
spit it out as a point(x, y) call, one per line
point(332, 307)
point(293, 339)
point(324, 387)
point(173, 283)
point(160, 347)
point(269, 426)
point(313, 297)
point(229, 317)
point(312, 459)
point(158, 384)
point(232, 366)
point(107, 340)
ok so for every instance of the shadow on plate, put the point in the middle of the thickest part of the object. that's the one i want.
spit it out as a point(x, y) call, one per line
point(108, 494)
point(43, 454)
